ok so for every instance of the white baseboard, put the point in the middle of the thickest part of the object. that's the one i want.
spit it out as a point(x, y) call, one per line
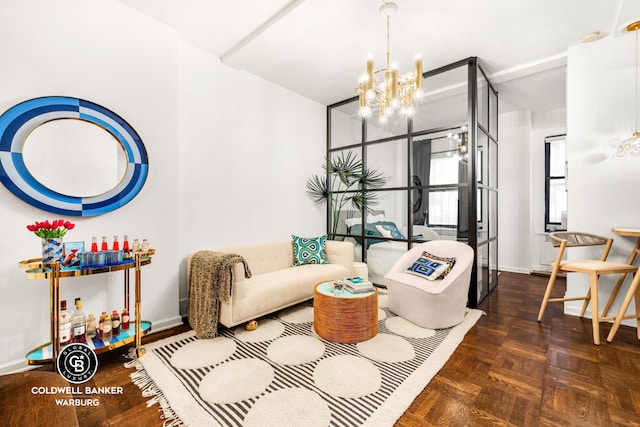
point(183, 304)
point(13, 366)
point(514, 269)
point(161, 325)
point(575, 311)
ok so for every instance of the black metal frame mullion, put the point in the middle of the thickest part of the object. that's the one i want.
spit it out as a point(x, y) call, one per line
point(472, 117)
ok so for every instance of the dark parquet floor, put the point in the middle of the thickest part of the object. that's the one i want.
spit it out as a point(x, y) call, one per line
point(510, 370)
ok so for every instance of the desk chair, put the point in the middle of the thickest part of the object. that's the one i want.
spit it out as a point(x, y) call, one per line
point(594, 268)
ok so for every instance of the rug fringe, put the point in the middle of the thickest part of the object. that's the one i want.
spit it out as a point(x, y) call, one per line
point(149, 389)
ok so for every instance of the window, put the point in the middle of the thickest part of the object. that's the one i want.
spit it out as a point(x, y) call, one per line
point(443, 204)
point(555, 194)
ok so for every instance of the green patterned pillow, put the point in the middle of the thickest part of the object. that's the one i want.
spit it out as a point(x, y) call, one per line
point(309, 250)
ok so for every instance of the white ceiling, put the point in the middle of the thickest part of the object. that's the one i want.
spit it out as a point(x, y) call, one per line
point(318, 48)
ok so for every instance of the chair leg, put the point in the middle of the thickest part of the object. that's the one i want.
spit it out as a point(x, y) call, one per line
point(595, 319)
point(636, 298)
point(587, 298)
point(633, 289)
point(614, 293)
point(547, 293)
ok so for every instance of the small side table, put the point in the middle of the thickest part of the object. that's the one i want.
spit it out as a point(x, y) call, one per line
point(634, 289)
point(345, 318)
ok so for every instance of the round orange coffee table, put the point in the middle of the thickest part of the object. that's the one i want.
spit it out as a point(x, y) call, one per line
point(344, 318)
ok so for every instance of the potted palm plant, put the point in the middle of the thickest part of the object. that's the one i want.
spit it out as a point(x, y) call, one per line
point(346, 181)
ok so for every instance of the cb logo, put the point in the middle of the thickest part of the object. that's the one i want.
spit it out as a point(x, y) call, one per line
point(77, 363)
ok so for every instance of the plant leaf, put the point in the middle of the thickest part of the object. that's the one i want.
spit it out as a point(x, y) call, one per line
point(317, 189)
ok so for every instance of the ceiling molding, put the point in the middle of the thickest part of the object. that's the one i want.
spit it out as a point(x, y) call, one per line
point(530, 68)
point(229, 53)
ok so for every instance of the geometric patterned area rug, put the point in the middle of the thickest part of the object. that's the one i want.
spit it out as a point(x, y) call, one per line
point(283, 374)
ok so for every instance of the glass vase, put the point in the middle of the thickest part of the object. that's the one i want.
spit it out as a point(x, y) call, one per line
point(51, 250)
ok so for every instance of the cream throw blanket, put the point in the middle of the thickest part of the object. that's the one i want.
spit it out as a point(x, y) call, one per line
point(210, 283)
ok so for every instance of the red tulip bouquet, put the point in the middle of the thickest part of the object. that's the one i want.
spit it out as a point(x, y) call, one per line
point(48, 230)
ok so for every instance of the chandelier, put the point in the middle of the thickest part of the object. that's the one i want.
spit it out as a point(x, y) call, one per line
point(631, 145)
point(394, 93)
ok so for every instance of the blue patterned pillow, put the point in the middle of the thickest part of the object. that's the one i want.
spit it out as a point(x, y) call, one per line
point(431, 267)
point(388, 229)
point(309, 250)
point(369, 231)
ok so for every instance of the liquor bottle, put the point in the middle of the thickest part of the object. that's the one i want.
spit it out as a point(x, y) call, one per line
point(124, 320)
point(64, 324)
point(145, 245)
point(105, 245)
point(101, 324)
point(91, 326)
point(116, 245)
point(107, 332)
point(94, 244)
point(115, 323)
point(125, 248)
point(79, 322)
point(136, 245)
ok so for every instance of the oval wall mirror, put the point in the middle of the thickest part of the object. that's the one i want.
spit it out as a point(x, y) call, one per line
point(74, 157)
point(112, 163)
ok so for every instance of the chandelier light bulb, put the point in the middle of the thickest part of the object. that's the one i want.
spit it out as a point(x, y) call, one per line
point(382, 119)
point(411, 111)
point(417, 94)
point(370, 95)
point(395, 103)
point(365, 112)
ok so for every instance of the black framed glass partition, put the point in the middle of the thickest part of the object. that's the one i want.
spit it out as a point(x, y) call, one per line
point(441, 169)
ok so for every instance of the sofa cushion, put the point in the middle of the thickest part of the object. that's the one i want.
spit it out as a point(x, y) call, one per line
point(309, 250)
point(264, 257)
point(268, 292)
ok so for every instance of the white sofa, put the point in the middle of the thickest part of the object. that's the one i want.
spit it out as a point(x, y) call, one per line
point(274, 283)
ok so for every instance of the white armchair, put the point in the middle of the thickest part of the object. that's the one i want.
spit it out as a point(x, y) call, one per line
point(434, 304)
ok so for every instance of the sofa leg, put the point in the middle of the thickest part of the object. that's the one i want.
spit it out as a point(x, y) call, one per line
point(252, 325)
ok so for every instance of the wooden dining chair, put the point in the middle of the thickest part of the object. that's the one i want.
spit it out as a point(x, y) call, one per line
point(594, 268)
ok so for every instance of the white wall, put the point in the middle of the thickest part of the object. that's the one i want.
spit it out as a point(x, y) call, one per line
point(602, 190)
point(229, 154)
point(247, 148)
point(108, 54)
point(543, 124)
point(514, 207)
point(521, 185)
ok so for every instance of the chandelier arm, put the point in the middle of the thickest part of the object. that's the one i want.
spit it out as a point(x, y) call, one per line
point(388, 48)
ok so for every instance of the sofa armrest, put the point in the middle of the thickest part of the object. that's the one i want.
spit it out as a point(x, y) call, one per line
point(340, 253)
